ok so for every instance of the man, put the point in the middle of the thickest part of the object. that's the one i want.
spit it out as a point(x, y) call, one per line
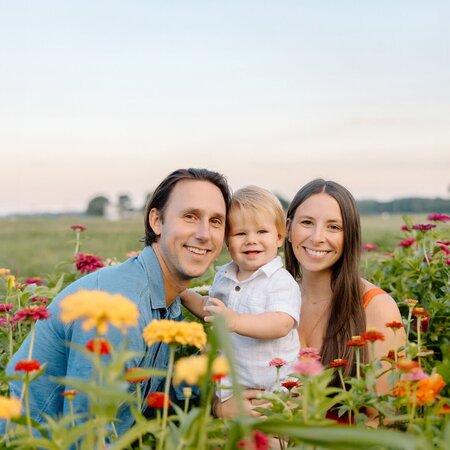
point(184, 233)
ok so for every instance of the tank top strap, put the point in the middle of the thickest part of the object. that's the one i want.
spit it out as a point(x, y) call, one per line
point(370, 294)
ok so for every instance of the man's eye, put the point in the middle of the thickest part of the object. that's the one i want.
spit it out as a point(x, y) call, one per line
point(216, 223)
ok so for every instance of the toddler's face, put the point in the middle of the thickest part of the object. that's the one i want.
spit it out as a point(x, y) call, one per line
point(252, 241)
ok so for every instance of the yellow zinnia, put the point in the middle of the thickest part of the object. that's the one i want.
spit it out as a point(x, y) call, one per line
point(220, 368)
point(10, 407)
point(173, 332)
point(190, 369)
point(98, 309)
point(4, 272)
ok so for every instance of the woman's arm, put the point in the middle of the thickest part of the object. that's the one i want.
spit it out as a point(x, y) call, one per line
point(267, 325)
point(381, 310)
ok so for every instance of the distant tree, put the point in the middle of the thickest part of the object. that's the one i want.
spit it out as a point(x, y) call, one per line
point(124, 203)
point(97, 206)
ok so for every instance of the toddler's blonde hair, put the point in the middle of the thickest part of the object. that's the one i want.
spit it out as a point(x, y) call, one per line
point(254, 202)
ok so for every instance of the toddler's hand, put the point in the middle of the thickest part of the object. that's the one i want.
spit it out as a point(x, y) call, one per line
point(215, 306)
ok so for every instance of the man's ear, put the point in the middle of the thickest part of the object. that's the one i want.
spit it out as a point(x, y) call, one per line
point(154, 220)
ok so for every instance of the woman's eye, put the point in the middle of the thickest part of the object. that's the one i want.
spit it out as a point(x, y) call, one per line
point(306, 222)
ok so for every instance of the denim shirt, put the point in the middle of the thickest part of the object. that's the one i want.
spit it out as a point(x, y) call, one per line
point(139, 279)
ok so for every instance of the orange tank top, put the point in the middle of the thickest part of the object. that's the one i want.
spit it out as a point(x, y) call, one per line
point(370, 294)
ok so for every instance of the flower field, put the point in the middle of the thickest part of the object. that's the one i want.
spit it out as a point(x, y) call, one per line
point(304, 411)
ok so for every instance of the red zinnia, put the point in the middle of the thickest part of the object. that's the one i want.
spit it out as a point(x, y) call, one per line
point(394, 325)
point(290, 384)
point(443, 248)
point(372, 335)
point(423, 226)
point(420, 312)
point(42, 300)
point(439, 217)
point(27, 365)
point(99, 345)
point(405, 228)
point(407, 242)
point(78, 227)
point(257, 441)
point(85, 262)
point(339, 363)
point(31, 313)
point(70, 394)
point(356, 341)
point(156, 400)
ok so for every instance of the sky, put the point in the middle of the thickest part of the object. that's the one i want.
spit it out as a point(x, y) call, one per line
point(106, 97)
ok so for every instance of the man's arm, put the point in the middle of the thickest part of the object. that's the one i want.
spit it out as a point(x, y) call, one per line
point(267, 325)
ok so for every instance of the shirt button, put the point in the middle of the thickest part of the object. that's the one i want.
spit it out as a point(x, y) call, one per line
point(237, 288)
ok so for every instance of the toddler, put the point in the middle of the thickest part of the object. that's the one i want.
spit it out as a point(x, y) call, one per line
point(259, 299)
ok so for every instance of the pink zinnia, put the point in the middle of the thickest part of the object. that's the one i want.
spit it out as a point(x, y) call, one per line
point(439, 217)
point(85, 262)
point(308, 366)
point(415, 375)
point(423, 226)
point(407, 242)
point(78, 227)
point(369, 247)
point(6, 307)
point(277, 362)
point(444, 249)
point(31, 313)
point(309, 352)
point(34, 280)
point(42, 300)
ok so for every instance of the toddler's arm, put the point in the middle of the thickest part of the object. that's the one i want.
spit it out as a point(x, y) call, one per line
point(267, 325)
point(194, 302)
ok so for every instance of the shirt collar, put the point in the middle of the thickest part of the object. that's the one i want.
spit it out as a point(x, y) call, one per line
point(230, 270)
point(153, 271)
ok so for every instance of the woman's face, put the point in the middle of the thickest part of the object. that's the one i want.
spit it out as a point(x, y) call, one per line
point(317, 234)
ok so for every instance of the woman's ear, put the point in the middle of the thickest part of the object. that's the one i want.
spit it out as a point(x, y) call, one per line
point(154, 220)
point(288, 229)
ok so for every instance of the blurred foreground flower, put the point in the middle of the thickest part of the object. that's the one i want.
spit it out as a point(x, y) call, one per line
point(98, 309)
point(439, 217)
point(86, 262)
point(34, 280)
point(156, 400)
point(190, 369)
point(174, 332)
point(27, 365)
point(100, 346)
point(10, 407)
point(219, 369)
point(257, 441)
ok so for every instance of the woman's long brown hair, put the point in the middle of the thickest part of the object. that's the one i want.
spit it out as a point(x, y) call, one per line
point(347, 317)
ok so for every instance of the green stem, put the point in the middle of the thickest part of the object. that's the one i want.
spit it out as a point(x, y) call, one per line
point(139, 407)
point(358, 363)
point(27, 405)
point(10, 333)
point(77, 242)
point(408, 325)
point(395, 345)
point(166, 397)
point(419, 337)
point(305, 402)
point(32, 336)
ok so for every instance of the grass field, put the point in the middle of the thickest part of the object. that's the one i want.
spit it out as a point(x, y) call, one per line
point(34, 246)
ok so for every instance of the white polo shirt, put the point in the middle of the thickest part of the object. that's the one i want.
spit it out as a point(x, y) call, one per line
point(271, 288)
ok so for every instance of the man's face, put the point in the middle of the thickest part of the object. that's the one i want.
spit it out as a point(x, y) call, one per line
point(191, 232)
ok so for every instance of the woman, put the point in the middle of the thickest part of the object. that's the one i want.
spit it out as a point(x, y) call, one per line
point(323, 253)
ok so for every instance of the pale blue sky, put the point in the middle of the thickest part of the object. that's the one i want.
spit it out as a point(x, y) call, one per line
point(106, 97)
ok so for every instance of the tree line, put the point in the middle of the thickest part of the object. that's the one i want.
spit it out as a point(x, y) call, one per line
point(99, 205)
